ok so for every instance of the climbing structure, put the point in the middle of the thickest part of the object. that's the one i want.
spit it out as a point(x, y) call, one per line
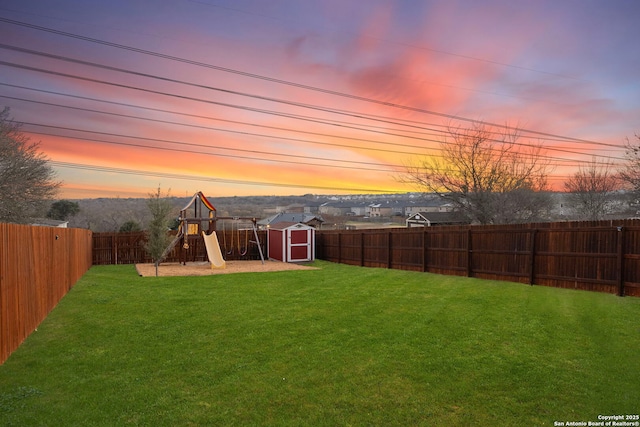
point(192, 218)
point(198, 221)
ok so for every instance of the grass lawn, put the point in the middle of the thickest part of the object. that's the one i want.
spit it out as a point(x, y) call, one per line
point(337, 346)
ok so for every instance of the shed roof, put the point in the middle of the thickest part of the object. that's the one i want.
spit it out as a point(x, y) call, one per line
point(289, 217)
point(285, 225)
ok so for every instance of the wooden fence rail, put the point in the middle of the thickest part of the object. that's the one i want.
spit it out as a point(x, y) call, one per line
point(595, 256)
point(38, 266)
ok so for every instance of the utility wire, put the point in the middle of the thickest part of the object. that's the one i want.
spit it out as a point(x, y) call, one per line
point(223, 90)
point(274, 137)
point(443, 52)
point(106, 169)
point(329, 110)
point(182, 150)
point(285, 82)
point(431, 168)
point(233, 92)
point(129, 116)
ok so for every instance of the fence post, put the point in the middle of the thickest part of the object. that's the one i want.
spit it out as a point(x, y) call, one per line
point(319, 245)
point(532, 260)
point(469, 255)
point(362, 249)
point(620, 260)
point(390, 243)
point(339, 247)
point(424, 251)
point(114, 249)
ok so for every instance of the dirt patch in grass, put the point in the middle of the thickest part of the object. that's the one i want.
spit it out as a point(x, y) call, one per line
point(204, 268)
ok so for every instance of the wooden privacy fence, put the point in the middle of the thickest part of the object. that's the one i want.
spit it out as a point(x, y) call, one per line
point(38, 266)
point(128, 248)
point(596, 256)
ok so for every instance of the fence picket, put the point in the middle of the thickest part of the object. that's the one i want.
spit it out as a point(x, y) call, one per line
point(596, 256)
point(129, 248)
point(38, 266)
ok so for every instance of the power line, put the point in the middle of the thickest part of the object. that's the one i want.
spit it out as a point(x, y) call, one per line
point(558, 177)
point(440, 51)
point(227, 91)
point(180, 143)
point(106, 169)
point(425, 168)
point(235, 132)
point(329, 110)
point(285, 82)
point(227, 121)
point(265, 98)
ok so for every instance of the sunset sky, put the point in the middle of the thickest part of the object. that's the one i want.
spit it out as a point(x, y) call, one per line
point(292, 96)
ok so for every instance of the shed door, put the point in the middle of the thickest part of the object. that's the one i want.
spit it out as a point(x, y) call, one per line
point(299, 245)
point(276, 244)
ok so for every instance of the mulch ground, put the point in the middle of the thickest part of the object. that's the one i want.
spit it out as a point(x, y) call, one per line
point(204, 268)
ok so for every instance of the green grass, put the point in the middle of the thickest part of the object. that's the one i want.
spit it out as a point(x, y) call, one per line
point(336, 346)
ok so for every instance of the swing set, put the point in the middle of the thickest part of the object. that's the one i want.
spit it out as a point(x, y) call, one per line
point(235, 242)
point(198, 222)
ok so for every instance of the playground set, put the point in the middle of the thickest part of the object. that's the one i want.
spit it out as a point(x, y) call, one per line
point(199, 220)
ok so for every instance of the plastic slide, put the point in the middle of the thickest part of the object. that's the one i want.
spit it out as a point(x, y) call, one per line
point(213, 250)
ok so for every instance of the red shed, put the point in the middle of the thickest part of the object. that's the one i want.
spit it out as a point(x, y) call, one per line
point(291, 242)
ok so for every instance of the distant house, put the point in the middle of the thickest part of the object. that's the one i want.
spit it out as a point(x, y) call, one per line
point(335, 208)
point(379, 210)
point(428, 219)
point(428, 205)
point(311, 208)
point(360, 209)
point(314, 221)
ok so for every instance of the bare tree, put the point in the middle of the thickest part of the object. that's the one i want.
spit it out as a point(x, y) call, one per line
point(487, 175)
point(591, 190)
point(630, 173)
point(27, 181)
